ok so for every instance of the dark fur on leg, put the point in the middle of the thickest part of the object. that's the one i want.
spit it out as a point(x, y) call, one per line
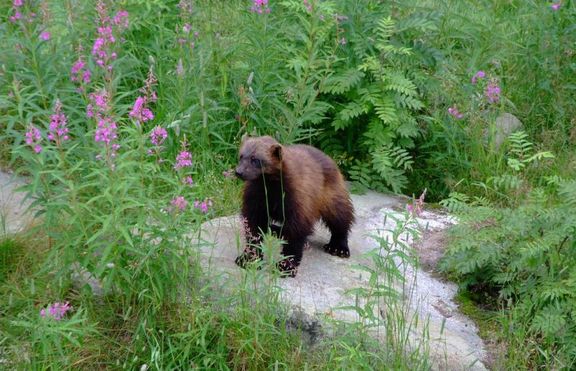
point(338, 246)
point(292, 252)
point(339, 220)
point(250, 255)
point(287, 267)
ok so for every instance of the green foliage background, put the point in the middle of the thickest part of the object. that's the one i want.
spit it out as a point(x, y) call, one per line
point(369, 82)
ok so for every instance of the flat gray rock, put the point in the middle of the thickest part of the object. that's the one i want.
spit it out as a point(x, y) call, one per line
point(322, 282)
point(505, 125)
point(13, 216)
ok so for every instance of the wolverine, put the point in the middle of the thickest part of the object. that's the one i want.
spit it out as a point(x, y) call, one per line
point(288, 189)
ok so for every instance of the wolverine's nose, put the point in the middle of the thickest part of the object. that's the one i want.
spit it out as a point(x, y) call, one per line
point(238, 173)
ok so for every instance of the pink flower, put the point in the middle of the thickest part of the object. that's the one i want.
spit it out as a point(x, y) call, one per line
point(86, 76)
point(453, 111)
point(105, 125)
point(33, 138)
point(140, 112)
point(45, 36)
point(179, 203)
point(77, 67)
point(58, 131)
point(17, 16)
point(100, 100)
point(184, 159)
point(18, 3)
point(417, 205)
point(203, 206)
point(103, 46)
point(260, 6)
point(556, 6)
point(106, 131)
point(55, 311)
point(342, 41)
point(121, 19)
point(78, 73)
point(478, 75)
point(99, 103)
point(158, 136)
point(188, 180)
point(492, 92)
point(186, 6)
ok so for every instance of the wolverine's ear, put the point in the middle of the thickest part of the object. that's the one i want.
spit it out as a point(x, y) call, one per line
point(276, 151)
point(244, 137)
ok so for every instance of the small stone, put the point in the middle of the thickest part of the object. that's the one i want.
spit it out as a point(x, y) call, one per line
point(505, 125)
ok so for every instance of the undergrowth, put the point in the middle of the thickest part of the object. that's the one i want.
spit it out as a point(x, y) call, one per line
point(518, 259)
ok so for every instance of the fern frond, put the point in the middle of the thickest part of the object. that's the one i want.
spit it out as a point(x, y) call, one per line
point(339, 124)
point(409, 102)
point(377, 135)
point(548, 322)
point(342, 83)
point(315, 112)
point(539, 156)
point(331, 145)
point(384, 30)
point(567, 191)
point(456, 202)
point(352, 110)
point(388, 162)
point(396, 81)
point(519, 144)
point(370, 64)
point(418, 21)
point(402, 159)
point(505, 182)
point(386, 109)
point(408, 127)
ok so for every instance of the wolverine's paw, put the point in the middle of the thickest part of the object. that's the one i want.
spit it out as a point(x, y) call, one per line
point(276, 230)
point(337, 250)
point(287, 267)
point(250, 255)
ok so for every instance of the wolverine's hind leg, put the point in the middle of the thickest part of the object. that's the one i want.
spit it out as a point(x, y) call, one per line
point(339, 218)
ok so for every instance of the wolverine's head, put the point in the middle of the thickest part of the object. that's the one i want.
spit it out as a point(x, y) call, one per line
point(259, 156)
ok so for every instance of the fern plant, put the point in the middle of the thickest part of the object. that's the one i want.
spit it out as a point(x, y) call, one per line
point(524, 259)
point(508, 187)
point(375, 105)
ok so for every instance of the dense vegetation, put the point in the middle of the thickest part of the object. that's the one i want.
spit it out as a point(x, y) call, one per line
point(126, 117)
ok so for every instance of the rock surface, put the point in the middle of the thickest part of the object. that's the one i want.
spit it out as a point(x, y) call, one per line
point(322, 282)
point(13, 216)
point(505, 125)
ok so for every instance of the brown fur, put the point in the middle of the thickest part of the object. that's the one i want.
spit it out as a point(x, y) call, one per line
point(296, 186)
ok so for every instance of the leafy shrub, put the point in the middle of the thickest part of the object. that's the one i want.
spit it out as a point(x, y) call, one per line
point(375, 101)
point(524, 259)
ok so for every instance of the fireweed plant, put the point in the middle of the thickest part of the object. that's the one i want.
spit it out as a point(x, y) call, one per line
point(112, 199)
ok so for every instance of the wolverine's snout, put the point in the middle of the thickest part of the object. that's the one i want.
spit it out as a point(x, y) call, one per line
point(239, 173)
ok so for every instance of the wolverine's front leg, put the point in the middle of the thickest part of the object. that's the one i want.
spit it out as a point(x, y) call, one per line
point(254, 223)
point(296, 232)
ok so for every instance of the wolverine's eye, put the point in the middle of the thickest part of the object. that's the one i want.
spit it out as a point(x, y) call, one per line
point(255, 162)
